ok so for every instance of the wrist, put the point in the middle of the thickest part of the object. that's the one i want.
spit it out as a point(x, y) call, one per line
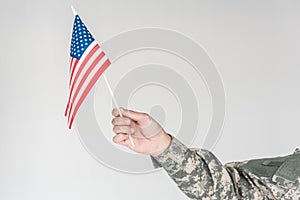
point(163, 142)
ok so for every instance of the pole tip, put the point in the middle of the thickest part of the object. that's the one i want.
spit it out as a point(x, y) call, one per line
point(74, 11)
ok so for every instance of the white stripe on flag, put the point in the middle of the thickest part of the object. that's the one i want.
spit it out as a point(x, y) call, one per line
point(74, 100)
point(84, 55)
point(73, 60)
point(82, 73)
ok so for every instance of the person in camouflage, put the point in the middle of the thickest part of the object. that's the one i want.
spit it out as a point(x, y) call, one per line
point(199, 174)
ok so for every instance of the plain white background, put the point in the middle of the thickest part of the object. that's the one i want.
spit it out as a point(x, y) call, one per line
point(255, 45)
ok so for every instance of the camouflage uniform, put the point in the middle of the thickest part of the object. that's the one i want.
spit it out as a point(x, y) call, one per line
point(200, 175)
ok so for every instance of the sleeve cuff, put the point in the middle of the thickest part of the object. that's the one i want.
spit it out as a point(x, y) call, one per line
point(175, 152)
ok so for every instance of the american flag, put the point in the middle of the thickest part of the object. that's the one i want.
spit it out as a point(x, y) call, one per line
point(87, 63)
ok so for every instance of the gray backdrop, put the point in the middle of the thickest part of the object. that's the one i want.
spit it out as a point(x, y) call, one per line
point(254, 44)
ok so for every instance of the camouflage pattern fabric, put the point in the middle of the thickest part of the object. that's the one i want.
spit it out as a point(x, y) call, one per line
point(200, 175)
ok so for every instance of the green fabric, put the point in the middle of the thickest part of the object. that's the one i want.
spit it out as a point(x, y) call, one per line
point(287, 167)
point(290, 169)
point(265, 167)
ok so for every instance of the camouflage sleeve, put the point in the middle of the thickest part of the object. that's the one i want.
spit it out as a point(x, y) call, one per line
point(197, 172)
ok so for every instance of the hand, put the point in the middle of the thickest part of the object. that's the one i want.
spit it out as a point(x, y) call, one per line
point(148, 136)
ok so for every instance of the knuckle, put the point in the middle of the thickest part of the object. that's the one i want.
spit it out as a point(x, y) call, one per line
point(127, 120)
point(131, 124)
point(115, 128)
point(147, 116)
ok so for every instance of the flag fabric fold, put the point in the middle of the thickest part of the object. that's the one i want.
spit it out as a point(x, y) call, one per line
point(87, 63)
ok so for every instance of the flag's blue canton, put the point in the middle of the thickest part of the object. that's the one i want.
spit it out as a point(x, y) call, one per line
point(81, 38)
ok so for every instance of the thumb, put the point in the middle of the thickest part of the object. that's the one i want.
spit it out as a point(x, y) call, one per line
point(134, 115)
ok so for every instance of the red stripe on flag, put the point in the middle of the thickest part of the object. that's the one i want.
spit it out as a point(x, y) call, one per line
point(90, 54)
point(88, 88)
point(71, 64)
point(74, 67)
point(87, 73)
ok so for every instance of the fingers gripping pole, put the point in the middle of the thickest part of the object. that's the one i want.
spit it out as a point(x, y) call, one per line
point(116, 104)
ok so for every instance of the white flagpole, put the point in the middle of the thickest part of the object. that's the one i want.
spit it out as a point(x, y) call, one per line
point(74, 11)
point(110, 91)
point(116, 104)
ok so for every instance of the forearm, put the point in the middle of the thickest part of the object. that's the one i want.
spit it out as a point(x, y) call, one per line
point(197, 173)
